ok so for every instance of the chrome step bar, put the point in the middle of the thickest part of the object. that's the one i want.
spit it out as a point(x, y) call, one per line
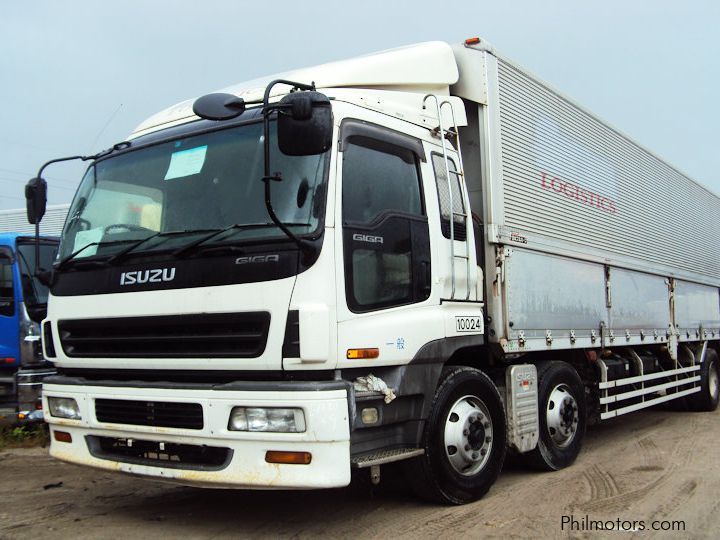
point(381, 457)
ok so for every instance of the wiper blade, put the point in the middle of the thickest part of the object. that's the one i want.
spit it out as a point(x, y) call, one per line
point(61, 264)
point(239, 226)
point(120, 255)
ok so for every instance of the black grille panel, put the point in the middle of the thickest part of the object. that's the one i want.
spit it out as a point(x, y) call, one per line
point(149, 413)
point(154, 454)
point(218, 335)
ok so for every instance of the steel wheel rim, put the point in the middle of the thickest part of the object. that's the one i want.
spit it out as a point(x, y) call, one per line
point(468, 435)
point(713, 382)
point(562, 416)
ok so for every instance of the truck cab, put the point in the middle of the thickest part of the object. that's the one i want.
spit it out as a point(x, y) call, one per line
point(23, 303)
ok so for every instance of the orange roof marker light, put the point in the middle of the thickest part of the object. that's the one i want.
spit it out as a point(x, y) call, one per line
point(472, 41)
point(362, 354)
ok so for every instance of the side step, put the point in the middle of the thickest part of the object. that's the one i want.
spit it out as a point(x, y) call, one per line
point(380, 457)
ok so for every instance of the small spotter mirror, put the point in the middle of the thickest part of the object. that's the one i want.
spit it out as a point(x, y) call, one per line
point(219, 106)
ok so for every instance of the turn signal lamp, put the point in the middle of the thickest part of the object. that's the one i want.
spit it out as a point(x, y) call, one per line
point(361, 354)
point(288, 458)
point(62, 436)
point(472, 41)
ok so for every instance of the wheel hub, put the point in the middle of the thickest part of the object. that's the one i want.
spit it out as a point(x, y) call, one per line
point(562, 416)
point(476, 438)
point(468, 435)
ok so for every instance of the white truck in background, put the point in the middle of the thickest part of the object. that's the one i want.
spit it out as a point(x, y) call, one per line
point(424, 255)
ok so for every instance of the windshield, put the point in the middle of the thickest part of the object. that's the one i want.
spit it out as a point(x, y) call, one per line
point(34, 292)
point(188, 187)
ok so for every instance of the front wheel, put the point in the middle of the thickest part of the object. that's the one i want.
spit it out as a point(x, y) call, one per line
point(464, 439)
point(561, 405)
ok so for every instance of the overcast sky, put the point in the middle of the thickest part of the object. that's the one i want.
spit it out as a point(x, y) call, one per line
point(78, 76)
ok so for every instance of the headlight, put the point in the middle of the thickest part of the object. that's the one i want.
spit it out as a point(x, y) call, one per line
point(267, 419)
point(63, 407)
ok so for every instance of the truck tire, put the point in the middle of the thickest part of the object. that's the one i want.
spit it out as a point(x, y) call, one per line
point(707, 398)
point(464, 439)
point(562, 411)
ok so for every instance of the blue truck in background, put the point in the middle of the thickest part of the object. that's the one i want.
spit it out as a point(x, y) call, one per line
point(23, 303)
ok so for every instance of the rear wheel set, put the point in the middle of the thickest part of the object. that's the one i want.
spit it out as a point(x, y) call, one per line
point(561, 406)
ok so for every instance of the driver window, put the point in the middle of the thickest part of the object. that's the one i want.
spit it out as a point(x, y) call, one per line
point(378, 178)
point(381, 201)
point(7, 294)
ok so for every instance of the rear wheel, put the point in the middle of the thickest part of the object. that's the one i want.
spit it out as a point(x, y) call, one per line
point(709, 395)
point(464, 439)
point(561, 404)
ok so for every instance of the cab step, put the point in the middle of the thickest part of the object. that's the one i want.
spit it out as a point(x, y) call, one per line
point(380, 457)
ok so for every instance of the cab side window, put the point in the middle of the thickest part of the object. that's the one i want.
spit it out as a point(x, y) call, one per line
point(378, 178)
point(7, 293)
point(443, 187)
point(383, 217)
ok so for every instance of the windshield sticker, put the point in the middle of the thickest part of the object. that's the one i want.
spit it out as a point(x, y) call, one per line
point(84, 238)
point(186, 162)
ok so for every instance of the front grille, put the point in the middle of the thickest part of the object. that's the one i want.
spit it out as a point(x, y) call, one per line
point(150, 413)
point(48, 339)
point(156, 454)
point(217, 335)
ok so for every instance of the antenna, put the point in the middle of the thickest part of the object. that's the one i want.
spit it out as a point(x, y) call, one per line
point(110, 119)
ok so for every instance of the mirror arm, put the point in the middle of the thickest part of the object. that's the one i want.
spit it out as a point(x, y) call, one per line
point(268, 176)
point(114, 148)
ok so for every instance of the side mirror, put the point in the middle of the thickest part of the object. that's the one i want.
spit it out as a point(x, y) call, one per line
point(219, 106)
point(36, 200)
point(305, 124)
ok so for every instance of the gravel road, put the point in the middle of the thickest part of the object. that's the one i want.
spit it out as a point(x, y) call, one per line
point(652, 467)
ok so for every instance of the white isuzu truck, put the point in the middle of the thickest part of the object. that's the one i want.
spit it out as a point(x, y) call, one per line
point(424, 255)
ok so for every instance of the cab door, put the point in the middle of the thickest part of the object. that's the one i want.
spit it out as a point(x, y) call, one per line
point(386, 263)
point(9, 352)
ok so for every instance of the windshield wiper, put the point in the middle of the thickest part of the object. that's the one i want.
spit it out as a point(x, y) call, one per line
point(61, 264)
point(239, 226)
point(120, 255)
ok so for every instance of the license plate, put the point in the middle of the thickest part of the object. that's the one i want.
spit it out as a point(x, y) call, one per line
point(469, 324)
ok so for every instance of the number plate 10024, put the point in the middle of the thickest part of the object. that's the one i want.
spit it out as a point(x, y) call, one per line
point(469, 324)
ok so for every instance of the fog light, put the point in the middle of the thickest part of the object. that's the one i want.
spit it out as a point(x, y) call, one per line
point(62, 407)
point(369, 415)
point(267, 419)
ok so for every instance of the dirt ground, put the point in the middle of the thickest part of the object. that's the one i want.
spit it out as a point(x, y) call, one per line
point(646, 467)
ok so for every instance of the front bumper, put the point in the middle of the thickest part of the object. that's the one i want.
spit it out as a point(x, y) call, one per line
point(327, 434)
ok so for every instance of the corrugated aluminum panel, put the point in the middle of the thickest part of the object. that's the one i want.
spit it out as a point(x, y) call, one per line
point(572, 184)
point(51, 224)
